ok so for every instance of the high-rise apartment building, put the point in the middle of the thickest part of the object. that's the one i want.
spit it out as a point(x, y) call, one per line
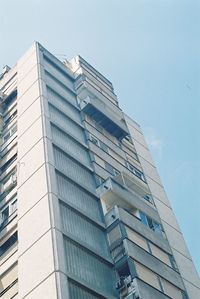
point(83, 213)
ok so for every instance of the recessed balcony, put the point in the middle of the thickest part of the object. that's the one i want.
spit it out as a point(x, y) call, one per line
point(133, 182)
point(104, 117)
point(113, 193)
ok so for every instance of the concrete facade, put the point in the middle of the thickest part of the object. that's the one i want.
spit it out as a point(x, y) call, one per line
point(83, 211)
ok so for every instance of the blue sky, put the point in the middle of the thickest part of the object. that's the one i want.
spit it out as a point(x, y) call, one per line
point(150, 50)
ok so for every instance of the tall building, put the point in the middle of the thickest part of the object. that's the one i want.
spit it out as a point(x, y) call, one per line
point(83, 213)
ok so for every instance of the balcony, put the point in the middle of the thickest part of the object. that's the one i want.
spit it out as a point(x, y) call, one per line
point(112, 193)
point(133, 182)
point(104, 117)
point(151, 262)
point(131, 220)
point(148, 292)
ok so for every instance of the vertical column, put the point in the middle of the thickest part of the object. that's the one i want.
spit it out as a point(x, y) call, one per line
point(37, 278)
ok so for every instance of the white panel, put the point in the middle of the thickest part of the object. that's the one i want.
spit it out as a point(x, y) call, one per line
point(186, 268)
point(158, 191)
point(31, 274)
point(28, 195)
point(143, 152)
point(193, 292)
point(37, 220)
point(147, 275)
point(26, 83)
point(166, 214)
point(28, 98)
point(26, 56)
point(31, 162)
point(171, 290)
point(29, 138)
point(135, 133)
point(26, 67)
point(28, 118)
point(136, 238)
point(150, 170)
point(160, 254)
point(46, 290)
point(176, 240)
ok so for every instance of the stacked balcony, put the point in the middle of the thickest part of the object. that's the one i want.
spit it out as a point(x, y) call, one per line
point(104, 112)
point(134, 245)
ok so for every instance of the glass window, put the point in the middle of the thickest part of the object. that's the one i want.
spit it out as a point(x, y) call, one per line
point(13, 207)
point(143, 218)
point(150, 223)
point(103, 146)
point(94, 140)
point(4, 216)
point(136, 171)
point(148, 198)
point(5, 246)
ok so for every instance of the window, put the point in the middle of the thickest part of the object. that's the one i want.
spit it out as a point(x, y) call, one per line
point(103, 146)
point(7, 211)
point(136, 171)
point(9, 162)
point(111, 169)
point(11, 98)
point(6, 137)
point(13, 206)
point(128, 138)
point(99, 180)
point(148, 198)
point(116, 172)
point(99, 143)
point(5, 246)
point(9, 182)
point(9, 133)
point(4, 216)
point(8, 120)
point(150, 223)
point(94, 140)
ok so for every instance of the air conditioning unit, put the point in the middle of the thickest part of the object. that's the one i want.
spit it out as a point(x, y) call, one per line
point(133, 294)
point(133, 290)
point(128, 288)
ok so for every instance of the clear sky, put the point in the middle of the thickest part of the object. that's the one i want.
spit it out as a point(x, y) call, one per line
point(150, 50)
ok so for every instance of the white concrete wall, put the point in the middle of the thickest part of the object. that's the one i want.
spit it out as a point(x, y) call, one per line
point(171, 227)
point(39, 262)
